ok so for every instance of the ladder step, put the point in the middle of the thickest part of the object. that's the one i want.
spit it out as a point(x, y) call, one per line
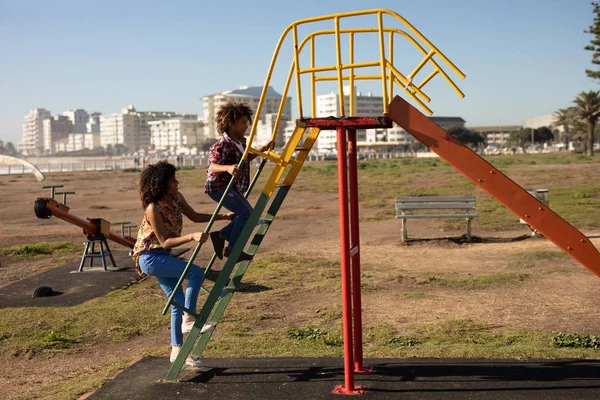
point(264, 221)
point(283, 185)
point(187, 310)
point(224, 292)
point(300, 148)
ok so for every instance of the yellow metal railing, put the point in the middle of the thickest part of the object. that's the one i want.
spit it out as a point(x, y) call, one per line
point(346, 72)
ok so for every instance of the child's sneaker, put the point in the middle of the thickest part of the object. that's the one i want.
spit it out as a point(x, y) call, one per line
point(218, 243)
point(189, 361)
point(188, 323)
point(243, 256)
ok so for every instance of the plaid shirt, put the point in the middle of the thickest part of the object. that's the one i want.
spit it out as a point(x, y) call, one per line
point(225, 152)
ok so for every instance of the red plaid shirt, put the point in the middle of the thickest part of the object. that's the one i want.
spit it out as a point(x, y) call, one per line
point(225, 152)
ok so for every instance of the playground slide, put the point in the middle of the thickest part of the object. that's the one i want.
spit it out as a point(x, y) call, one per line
point(498, 185)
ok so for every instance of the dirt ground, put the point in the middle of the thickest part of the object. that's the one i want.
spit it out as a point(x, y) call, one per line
point(558, 295)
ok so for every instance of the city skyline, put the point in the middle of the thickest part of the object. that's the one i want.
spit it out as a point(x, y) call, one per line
point(521, 60)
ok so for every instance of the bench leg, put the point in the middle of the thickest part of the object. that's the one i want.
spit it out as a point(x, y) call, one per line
point(404, 235)
point(469, 229)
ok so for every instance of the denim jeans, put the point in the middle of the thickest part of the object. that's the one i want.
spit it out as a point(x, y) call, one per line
point(168, 269)
point(238, 204)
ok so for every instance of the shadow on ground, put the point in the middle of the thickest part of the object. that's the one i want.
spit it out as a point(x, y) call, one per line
point(312, 378)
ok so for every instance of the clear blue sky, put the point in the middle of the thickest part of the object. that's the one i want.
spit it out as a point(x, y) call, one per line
point(522, 58)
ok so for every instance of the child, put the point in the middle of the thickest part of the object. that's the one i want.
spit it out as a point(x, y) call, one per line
point(159, 232)
point(225, 155)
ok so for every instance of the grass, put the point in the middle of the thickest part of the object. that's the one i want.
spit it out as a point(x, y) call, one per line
point(528, 260)
point(572, 195)
point(130, 312)
point(261, 324)
point(41, 250)
point(476, 339)
point(472, 282)
point(119, 316)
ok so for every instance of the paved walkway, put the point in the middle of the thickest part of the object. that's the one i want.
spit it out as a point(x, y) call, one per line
point(315, 378)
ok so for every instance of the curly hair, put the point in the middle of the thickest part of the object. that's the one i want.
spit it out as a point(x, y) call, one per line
point(154, 182)
point(230, 113)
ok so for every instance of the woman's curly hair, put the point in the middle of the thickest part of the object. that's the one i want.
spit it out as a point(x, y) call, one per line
point(154, 182)
point(230, 113)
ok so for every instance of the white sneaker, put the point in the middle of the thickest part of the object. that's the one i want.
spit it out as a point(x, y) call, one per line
point(187, 324)
point(188, 361)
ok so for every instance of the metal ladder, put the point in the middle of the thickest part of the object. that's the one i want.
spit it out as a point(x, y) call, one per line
point(286, 169)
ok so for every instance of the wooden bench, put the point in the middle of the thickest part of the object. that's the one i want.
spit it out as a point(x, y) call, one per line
point(452, 207)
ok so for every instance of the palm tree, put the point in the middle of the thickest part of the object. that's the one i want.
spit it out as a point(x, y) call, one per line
point(564, 118)
point(587, 107)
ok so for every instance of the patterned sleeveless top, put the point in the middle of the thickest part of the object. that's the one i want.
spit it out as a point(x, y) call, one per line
point(173, 220)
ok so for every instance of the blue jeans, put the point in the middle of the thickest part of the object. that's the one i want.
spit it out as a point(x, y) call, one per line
point(238, 204)
point(168, 269)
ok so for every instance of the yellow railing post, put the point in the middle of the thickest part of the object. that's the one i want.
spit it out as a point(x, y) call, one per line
point(297, 62)
point(313, 82)
point(382, 60)
point(338, 56)
point(391, 56)
point(351, 73)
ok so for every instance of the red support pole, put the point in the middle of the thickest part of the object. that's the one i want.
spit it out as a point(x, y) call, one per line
point(355, 254)
point(348, 387)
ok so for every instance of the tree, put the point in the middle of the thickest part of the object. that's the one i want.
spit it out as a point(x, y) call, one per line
point(595, 42)
point(10, 148)
point(587, 108)
point(467, 136)
point(543, 134)
point(565, 118)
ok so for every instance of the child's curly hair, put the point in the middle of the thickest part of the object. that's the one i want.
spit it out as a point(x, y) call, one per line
point(154, 182)
point(230, 113)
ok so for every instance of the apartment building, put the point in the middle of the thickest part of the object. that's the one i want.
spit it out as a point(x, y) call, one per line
point(79, 118)
point(33, 132)
point(78, 142)
point(498, 134)
point(367, 105)
point(179, 134)
point(539, 121)
point(130, 128)
point(250, 95)
point(54, 129)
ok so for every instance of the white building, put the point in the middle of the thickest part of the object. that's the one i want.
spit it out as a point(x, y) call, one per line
point(328, 105)
point(539, 121)
point(33, 140)
point(55, 128)
point(250, 95)
point(78, 142)
point(367, 105)
point(178, 135)
point(79, 118)
point(499, 134)
point(129, 128)
point(93, 124)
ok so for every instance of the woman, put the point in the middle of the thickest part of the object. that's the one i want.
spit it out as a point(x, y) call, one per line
point(159, 232)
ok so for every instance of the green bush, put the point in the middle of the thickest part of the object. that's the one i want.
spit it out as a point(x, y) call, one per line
point(577, 341)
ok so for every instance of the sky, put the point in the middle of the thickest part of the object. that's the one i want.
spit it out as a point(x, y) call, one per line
point(522, 58)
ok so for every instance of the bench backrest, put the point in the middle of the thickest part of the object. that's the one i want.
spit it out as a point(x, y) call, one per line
point(466, 203)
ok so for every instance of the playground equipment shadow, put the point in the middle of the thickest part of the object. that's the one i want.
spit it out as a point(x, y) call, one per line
point(315, 378)
point(70, 286)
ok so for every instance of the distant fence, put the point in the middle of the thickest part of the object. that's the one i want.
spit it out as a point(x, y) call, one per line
point(78, 164)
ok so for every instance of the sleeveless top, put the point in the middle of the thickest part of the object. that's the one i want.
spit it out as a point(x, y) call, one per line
point(173, 220)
